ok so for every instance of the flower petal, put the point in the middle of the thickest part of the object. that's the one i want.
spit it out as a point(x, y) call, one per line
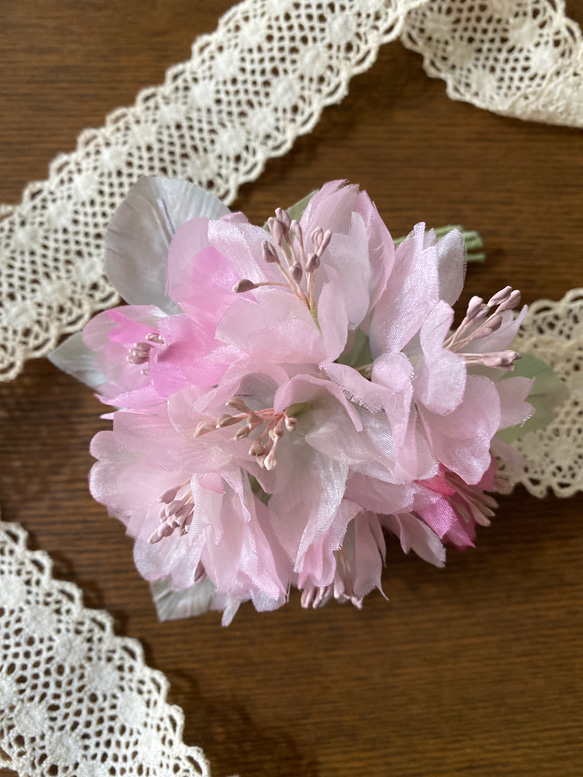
point(413, 289)
point(461, 440)
point(441, 374)
point(416, 535)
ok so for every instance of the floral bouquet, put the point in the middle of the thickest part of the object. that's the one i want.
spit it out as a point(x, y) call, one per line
point(289, 395)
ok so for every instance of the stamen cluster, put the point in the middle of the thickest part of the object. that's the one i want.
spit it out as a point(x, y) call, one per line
point(264, 446)
point(139, 353)
point(481, 320)
point(176, 515)
point(298, 263)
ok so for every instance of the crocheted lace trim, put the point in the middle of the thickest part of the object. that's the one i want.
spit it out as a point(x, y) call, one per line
point(75, 699)
point(553, 331)
point(248, 91)
point(520, 58)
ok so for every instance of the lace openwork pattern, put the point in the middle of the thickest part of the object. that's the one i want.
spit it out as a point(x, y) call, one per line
point(520, 58)
point(553, 331)
point(248, 91)
point(75, 699)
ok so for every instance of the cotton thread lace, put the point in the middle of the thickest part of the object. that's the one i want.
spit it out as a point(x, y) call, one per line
point(516, 57)
point(553, 331)
point(75, 699)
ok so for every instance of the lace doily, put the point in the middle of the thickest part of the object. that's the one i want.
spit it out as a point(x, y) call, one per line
point(248, 91)
point(553, 331)
point(75, 699)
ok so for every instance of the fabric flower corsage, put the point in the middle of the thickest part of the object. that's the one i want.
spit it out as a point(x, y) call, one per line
point(288, 396)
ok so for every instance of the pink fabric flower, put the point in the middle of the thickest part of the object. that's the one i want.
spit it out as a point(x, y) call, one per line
point(289, 395)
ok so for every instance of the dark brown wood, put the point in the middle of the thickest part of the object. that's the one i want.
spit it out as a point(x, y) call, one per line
point(475, 669)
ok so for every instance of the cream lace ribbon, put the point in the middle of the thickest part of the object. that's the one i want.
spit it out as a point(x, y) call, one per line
point(75, 700)
point(216, 120)
point(553, 331)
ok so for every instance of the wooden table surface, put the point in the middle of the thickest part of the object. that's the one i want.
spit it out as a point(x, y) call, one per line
point(476, 669)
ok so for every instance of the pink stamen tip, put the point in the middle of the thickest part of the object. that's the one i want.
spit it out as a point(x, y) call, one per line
point(204, 427)
point(269, 253)
point(316, 237)
point(312, 263)
point(226, 420)
point(170, 495)
point(154, 337)
point(238, 404)
point(512, 302)
point(277, 229)
point(290, 424)
point(283, 217)
point(257, 448)
point(492, 325)
point(296, 272)
point(244, 285)
point(500, 297)
point(475, 306)
point(270, 462)
point(325, 241)
point(276, 433)
point(296, 230)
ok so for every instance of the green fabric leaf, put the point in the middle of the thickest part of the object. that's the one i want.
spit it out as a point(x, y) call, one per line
point(547, 393)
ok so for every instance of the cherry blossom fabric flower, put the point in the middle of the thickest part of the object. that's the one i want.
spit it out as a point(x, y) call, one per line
point(286, 397)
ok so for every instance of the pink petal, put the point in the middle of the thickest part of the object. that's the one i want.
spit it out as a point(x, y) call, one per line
point(276, 327)
point(416, 535)
point(440, 375)
point(513, 408)
point(199, 277)
point(461, 440)
point(318, 564)
point(413, 289)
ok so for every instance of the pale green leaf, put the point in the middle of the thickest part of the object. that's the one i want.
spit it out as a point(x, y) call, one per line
point(547, 393)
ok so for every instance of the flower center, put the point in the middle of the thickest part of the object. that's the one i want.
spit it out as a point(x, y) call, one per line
point(298, 263)
point(140, 353)
point(176, 513)
point(481, 320)
point(269, 424)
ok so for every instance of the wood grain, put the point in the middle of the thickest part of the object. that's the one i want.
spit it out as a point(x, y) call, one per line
point(475, 669)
